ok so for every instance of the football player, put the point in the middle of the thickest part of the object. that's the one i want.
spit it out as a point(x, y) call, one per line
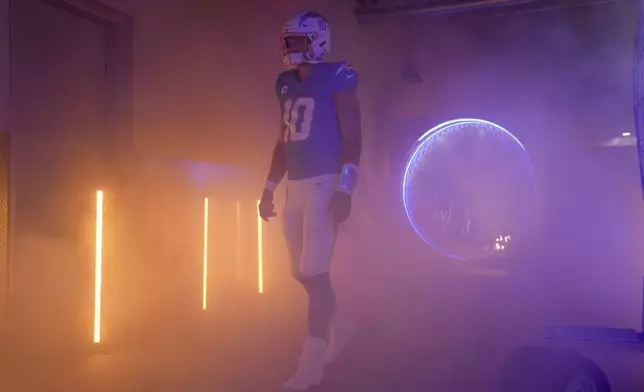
point(318, 148)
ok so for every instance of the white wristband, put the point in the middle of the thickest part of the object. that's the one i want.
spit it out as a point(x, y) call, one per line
point(270, 186)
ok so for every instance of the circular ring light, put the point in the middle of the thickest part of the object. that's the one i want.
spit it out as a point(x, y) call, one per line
point(468, 187)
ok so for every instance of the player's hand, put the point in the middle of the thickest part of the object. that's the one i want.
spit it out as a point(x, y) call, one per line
point(340, 206)
point(266, 207)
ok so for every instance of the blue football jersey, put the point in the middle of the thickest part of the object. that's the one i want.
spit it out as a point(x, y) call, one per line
point(312, 135)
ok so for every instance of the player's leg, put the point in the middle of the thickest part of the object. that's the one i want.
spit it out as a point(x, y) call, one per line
point(313, 265)
point(310, 368)
point(320, 231)
point(293, 225)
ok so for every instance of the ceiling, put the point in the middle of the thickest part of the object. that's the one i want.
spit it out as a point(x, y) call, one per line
point(126, 6)
point(378, 10)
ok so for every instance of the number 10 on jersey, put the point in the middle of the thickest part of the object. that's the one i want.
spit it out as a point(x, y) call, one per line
point(297, 116)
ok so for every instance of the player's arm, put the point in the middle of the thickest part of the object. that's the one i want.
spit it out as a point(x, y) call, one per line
point(277, 169)
point(348, 111)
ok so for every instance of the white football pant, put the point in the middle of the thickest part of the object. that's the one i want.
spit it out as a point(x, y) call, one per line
point(309, 228)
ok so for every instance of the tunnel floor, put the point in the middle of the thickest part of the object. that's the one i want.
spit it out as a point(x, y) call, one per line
point(407, 345)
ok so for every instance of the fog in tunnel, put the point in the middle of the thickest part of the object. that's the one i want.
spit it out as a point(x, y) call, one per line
point(204, 121)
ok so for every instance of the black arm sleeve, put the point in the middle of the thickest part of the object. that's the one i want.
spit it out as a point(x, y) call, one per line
point(351, 151)
point(278, 164)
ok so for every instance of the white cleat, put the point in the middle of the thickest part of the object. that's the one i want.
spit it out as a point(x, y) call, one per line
point(342, 331)
point(310, 370)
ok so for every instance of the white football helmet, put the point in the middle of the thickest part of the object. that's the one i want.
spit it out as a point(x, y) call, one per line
point(306, 38)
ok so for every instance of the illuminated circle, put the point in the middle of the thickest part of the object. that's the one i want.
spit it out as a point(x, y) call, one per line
point(468, 188)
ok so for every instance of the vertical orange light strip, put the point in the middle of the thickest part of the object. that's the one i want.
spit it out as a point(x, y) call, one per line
point(98, 267)
point(204, 300)
point(238, 240)
point(260, 255)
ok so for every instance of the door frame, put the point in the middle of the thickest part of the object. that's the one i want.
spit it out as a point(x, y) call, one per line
point(119, 69)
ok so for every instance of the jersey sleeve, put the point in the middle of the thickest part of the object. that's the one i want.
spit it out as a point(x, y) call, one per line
point(278, 85)
point(346, 78)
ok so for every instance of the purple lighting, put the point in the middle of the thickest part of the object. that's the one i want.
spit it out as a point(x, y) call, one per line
point(466, 187)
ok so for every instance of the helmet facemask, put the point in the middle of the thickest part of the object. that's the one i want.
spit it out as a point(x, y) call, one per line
point(296, 48)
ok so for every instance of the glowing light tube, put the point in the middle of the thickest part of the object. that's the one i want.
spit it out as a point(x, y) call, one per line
point(98, 267)
point(238, 267)
point(260, 255)
point(204, 294)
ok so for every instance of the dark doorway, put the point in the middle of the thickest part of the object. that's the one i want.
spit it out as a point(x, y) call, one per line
point(58, 139)
point(70, 90)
